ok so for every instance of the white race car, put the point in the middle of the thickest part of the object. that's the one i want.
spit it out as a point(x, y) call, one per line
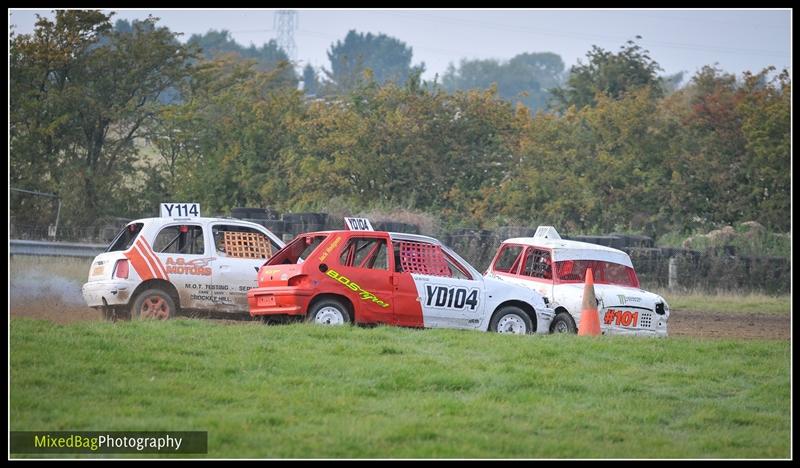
point(556, 268)
point(156, 267)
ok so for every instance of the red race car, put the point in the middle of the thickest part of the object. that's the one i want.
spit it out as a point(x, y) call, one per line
point(336, 277)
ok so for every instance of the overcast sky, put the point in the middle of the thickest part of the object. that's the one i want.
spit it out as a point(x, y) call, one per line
point(679, 40)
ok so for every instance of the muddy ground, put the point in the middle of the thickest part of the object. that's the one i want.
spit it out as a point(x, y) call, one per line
point(682, 323)
point(740, 326)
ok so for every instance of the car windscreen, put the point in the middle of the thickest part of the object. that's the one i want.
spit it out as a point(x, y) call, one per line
point(574, 271)
point(297, 250)
point(124, 239)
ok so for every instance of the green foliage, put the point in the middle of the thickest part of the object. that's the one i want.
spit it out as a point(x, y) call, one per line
point(526, 78)
point(82, 95)
point(267, 57)
point(310, 80)
point(231, 134)
point(85, 122)
point(731, 150)
point(349, 392)
point(609, 74)
point(387, 59)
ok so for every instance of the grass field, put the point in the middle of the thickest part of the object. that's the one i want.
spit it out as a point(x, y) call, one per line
point(750, 303)
point(304, 391)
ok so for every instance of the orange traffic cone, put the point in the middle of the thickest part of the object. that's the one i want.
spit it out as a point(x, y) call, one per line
point(590, 320)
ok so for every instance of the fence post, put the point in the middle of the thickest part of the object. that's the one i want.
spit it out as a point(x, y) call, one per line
point(672, 274)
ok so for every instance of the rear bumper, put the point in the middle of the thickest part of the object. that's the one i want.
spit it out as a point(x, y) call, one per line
point(278, 301)
point(115, 293)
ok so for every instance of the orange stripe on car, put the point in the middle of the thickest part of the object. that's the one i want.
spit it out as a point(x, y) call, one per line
point(153, 268)
point(153, 259)
point(139, 264)
point(157, 259)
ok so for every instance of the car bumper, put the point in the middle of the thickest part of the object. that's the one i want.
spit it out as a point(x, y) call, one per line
point(659, 332)
point(278, 301)
point(107, 293)
point(544, 317)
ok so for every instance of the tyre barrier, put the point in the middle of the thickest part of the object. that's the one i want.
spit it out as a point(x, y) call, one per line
point(277, 226)
point(255, 213)
point(393, 226)
point(297, 223)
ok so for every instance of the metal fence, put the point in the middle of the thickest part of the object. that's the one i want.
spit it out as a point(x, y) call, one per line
point(54, 249)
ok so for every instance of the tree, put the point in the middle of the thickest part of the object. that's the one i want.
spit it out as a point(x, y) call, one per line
point(83, 95)
point(526, 78)
point(610, 74)
point(765, 111)
point(229, 140)
point(387, 58)
point(732, 154)
point(310, 81)
point(671, 83)
point(267, 57)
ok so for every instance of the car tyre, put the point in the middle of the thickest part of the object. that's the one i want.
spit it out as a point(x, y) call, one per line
point(153, 304)
point(563, 323)
point(329, 312)
point(511, 319)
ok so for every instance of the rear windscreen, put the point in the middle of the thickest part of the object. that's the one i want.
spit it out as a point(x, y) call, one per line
point(125, 237)
point(297, 250)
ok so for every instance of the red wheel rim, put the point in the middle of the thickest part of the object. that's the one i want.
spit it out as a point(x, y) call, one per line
point(154, 307)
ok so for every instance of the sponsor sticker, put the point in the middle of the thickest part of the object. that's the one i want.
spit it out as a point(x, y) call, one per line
point(622, 318)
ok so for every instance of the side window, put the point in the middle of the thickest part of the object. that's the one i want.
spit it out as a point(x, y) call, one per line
point(186, 239)
point(537, 264)
point(508, 260)
point(365, 252)
point(456, 270)
point(242, 242)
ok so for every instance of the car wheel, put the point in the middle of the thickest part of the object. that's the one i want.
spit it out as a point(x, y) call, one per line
point(511, 319)
point(563, 323)
point(329, 312)
point(153, 304)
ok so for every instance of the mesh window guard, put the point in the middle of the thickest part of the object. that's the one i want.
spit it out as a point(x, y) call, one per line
point(247, 245)
point(425, 259)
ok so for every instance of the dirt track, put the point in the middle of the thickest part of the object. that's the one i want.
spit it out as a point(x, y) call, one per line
point(715, 325)
point(682, 323)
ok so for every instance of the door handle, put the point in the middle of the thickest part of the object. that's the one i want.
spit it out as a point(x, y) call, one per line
point(394, 280)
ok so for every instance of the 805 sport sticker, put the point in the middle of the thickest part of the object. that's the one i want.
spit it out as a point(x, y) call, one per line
point(451, 297)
